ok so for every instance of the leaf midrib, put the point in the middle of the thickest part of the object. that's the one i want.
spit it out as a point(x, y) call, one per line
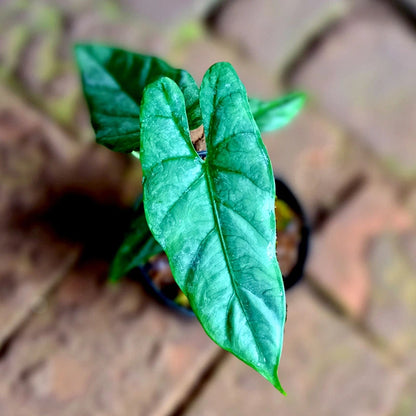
point(97, 62)
point(210, 187)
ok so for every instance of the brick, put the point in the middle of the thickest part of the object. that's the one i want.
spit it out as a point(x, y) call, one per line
point(32, 258)
point(32, 262)
point(32, 151)
point(317, 159)
point(36, 51)
point(325, 368)
point(40, 164)
point(200, 54)
point(406, 405)
point(391, 313)
point(363, 76)
point(338, 261)
point(272, 33)
point(54, 198)
point(168, 13)
point(411, 202)
point(96, 349)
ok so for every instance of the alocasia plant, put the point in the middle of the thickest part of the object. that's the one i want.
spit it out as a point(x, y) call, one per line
point(214, 217)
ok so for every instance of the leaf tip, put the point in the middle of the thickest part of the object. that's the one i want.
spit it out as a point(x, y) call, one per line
point(303, 98)
point(274, 380)
point(297, 99)
point(279, 387)
point(114, 276)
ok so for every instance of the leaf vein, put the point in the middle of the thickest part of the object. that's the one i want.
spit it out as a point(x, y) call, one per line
point(237, 172)
point(224, 204)
point(167, 160)
point(117, 82)
point(191, 185)
point(196, 255)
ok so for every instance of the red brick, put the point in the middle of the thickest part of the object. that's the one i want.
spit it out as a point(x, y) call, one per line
point(363, 75)
point(326, 370)
point(36, 50)
point(391, 312)
point(32, 258)
point(41, 169)
point(32, 152)
point(271, 32)
point(198, 56)
point(168, 13)
point(316, 158)
point(338, 260)
point(96, 349)
point(32, 262)
point(406, 405)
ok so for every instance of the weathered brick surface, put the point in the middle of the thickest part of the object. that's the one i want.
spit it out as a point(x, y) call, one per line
point(406, 405)
point(32, 262)
point(91, 349)
point(96, 349)
point(48, 190)
point(32, 152)
point(40, 164)
point(167, 13)
point(200, 54)
point(32, 258)
point(392, 307)
point(316, 159)
point(325, 368)
point(36, 50)
point(272, 32)
point(363, 75)
point(411, 203)
point(338, 259)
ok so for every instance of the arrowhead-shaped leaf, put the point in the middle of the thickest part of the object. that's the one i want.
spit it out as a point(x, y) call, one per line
point(215, 218)
point(275, 114)
point(113, 82)
point(137, 248)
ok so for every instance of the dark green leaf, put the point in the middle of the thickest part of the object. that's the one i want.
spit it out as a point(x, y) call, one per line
point(273, 115)
point(114, 80)
point(215, 218)
point(138, 246)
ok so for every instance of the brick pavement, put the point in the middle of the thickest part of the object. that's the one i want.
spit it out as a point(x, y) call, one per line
point(368, 83)
point(325, 372)
point(72, 345)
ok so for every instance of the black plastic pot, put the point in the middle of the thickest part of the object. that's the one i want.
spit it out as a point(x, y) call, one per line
point(169, 293)
point(295, 274)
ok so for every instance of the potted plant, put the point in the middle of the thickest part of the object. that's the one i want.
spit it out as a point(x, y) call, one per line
point(208, 190)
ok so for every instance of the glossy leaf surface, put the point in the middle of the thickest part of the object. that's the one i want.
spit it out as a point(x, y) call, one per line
point(137, 248)
point(275, 114)
point(215, 218)
point(113, 83)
